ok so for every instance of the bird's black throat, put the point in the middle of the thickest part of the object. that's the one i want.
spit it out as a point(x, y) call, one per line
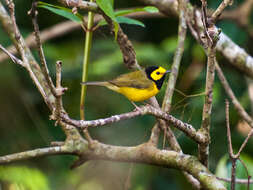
point(159, 82)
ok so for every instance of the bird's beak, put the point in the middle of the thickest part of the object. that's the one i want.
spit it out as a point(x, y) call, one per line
point(168, 71)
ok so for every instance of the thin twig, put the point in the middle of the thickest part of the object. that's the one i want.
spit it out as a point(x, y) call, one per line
point(238, 181)
point(17, 34)
point(28, 60)
point(59, 91)
point(244, 143)
point(13, 58)
point(207, 107)
point(182, 28)
point(245, 167)
point(230, 148)
point(167, 101)
point(32, 154)
point(233, 158)
point(220, 9)
point(240, 110)
point(233, 173)
point(210, 42)
point(34, 14)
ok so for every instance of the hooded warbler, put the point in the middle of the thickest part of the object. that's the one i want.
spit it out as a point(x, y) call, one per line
point(138, 85)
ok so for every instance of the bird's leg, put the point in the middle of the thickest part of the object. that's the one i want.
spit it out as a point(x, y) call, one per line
point(137, 108)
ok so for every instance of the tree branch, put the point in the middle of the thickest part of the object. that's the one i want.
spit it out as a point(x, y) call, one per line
point(88, 6)
point(151, 155)
point(239, 181)
point(220, 9)
point(12, 57)
point(34, 14)
point(56, 150)
point(139, 154)
point(188, 129)
point(240, 110)
point(29, 62)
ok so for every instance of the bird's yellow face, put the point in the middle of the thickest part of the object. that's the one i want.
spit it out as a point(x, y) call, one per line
point(158, 73)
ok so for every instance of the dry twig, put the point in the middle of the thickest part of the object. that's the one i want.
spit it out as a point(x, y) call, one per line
point(34, 14)
point(235, 157)
point(240, 110)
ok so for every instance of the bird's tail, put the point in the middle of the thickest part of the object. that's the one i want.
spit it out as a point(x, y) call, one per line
point(95, 83)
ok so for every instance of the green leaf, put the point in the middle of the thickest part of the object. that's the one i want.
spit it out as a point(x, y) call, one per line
point(62, 11)
point(106, 6)
point(123, 20)
point(112, 3)
point(149, 9)
point(126, 20)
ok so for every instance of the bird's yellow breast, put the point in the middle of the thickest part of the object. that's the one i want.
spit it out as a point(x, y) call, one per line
point(136, 95)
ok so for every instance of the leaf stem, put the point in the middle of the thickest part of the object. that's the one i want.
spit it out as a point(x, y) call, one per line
point(87, 48)
point(86, 59)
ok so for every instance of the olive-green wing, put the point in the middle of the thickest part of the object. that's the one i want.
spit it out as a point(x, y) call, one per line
point(137, 79)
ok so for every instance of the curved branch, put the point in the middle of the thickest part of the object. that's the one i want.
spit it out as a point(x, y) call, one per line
point(139, 154)
point(150, 155)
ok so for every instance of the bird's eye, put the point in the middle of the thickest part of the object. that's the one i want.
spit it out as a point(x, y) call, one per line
point(158, 73)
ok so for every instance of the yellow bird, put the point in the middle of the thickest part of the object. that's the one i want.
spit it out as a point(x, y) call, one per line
point(138, 85)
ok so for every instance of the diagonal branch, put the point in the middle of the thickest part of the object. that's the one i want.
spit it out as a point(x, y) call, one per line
point(240, 110)
point(12, 57)
point(215, 16)
point(34, 14)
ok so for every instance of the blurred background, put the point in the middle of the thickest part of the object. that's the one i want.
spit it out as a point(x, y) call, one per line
point(24, 117)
